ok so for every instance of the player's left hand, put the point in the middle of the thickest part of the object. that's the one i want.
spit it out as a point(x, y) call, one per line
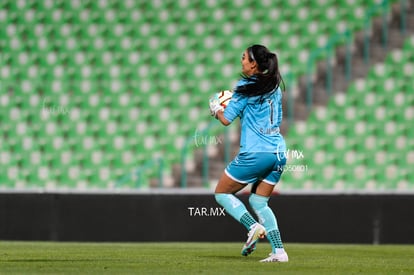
point(215, 106)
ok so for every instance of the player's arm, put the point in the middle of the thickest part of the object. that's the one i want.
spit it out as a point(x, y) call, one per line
point(221, 118)
point(217, 110)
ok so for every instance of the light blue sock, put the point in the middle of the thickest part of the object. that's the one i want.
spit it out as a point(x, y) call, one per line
point(235, 208)
point(267, 219)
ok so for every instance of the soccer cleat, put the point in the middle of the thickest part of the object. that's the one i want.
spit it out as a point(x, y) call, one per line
point(256, 232)
point(276, 257)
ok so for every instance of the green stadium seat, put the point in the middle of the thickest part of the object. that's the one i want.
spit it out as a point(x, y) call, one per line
point(134, 66)
point(367, 129)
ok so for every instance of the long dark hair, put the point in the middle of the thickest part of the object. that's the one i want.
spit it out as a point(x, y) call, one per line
point(268, 78)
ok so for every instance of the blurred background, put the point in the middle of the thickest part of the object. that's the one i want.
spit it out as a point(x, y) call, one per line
point(112, 95)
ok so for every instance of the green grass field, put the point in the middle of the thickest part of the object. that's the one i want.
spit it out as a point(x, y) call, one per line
point(204, 258)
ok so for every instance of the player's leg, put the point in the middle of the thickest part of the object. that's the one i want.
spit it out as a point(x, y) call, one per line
point(237, 175)
point(225, 197)
point(224, 194)
point(259, 202)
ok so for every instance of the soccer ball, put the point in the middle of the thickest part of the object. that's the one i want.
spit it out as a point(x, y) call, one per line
point(225, 97)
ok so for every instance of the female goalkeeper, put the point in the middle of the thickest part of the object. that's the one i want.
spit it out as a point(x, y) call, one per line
point(257, 100)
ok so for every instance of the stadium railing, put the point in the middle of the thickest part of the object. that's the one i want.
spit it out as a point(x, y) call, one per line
point(139, 175)
point(346, 38)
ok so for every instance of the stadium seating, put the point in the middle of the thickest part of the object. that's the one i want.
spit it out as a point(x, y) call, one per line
point(93, 92)
point(361, 140)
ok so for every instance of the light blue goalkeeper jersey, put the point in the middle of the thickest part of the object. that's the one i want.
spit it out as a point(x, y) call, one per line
point(260, 117)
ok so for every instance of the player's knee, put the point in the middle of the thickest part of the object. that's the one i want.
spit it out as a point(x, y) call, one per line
point(258, 202)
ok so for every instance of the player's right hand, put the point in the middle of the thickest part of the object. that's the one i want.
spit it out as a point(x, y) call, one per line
point(215, 106)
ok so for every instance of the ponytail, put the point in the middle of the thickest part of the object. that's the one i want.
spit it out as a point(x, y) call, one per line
point(268, 78)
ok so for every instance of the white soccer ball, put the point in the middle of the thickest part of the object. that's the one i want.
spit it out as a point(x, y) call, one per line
point(225, 97)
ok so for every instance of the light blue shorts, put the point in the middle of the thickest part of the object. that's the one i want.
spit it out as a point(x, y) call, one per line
point(253, 167)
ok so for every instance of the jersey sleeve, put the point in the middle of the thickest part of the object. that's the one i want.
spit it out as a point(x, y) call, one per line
point(235, 107)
